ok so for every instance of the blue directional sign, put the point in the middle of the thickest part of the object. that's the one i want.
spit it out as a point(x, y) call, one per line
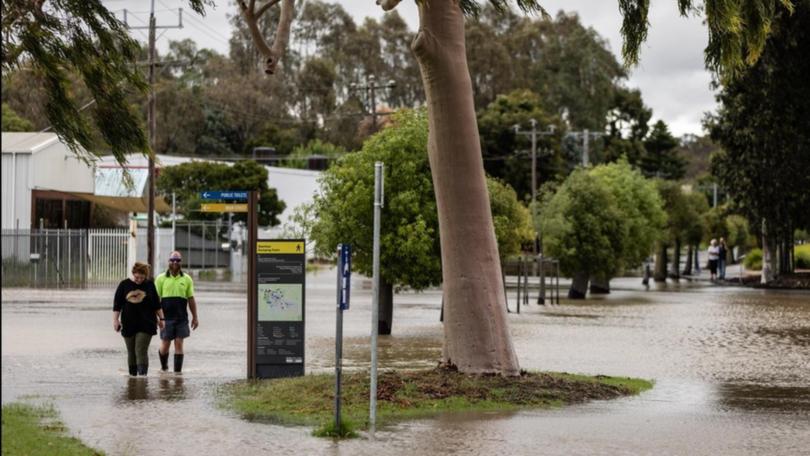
point(231, 195)
point(345, 268)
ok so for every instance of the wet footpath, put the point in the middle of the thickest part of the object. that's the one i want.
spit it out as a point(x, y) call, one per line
point(731, 368)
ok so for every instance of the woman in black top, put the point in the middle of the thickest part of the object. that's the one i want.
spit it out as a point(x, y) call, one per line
point(137, 304)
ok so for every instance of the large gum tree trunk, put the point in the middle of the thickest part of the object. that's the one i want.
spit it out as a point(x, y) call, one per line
point(676, 260)
point(600, 284)
point(660, 274)
point(768, 260)
point(579, 286)
point(687, 267)
point(476, 334)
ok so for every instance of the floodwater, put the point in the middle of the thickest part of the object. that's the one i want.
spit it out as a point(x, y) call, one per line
point(731, 366)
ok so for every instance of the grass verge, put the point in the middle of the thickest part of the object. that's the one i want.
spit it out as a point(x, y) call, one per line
point(401, 395)
point(32, 430)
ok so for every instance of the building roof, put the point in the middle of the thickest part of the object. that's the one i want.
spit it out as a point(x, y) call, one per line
point(140, 161)
point(27, 143)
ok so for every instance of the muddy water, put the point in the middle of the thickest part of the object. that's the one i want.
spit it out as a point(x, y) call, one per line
point(731, 365)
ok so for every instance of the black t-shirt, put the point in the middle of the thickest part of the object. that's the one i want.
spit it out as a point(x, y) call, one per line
point(137, 304)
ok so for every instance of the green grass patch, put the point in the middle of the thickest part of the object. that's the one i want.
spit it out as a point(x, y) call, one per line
point(29, 430)
point(401, 395)
point(328, 429)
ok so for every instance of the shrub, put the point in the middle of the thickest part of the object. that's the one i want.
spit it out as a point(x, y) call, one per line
point(753, 260)
point(802, 253)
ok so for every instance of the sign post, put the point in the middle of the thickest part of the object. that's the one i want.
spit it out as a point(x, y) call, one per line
point(278, 308)
point(344, 272)
point(276, 297)
point(375, 292)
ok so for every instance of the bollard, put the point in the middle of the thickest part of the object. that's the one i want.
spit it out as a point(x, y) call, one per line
point(541, 297)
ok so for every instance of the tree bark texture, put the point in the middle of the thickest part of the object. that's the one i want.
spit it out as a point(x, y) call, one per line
point(676, 260)
point(768, 260)
point(687, 267)
point(386, 316)
point(660, 274)
point(600, 285)
point(476, 334)
point(579, 286)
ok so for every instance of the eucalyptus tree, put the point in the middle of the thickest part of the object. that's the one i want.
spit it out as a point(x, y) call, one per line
point(762, 126)
point(477, 337)
point(54, 39)
point(53, 35)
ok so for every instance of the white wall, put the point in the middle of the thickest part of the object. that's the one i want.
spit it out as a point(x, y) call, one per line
point(17, 179)
point(294, 187)
point(56, 167)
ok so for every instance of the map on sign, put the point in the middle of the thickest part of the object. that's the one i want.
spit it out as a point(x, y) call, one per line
point(280, 302)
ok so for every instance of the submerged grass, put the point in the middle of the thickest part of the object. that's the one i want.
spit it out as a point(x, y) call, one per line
point(30, 430)
point(309, 400)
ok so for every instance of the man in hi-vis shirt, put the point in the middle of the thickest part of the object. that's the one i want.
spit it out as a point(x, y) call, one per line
point(176, 291)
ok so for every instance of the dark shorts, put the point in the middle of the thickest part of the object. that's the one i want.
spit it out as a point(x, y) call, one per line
point(175, 329)
point(713, 266)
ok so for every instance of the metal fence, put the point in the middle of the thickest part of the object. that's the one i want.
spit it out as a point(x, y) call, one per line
point(49, 258)
point(201, 243)
point(107, 256)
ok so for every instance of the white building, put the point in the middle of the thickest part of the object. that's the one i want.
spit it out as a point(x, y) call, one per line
point(293, 186)
point(41, 178)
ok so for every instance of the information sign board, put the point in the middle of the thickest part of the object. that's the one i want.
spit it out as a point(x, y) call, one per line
point(223, 207)
point(230, 195)
point(280, 308)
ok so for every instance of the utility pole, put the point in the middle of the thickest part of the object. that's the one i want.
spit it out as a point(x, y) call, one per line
point(586, 136)
point(533, 134)
point(152, 124)
point(371, 88)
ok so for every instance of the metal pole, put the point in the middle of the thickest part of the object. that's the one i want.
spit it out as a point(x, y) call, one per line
point(252, 305)
point(714, 195)
point(188, 242)
point(216, 244)
point(534, 189)
point(541, 297)
point(338, 343)
point(174, 220)
point(521, 282)
point(150, 227)
point(375, 293)
point(585, 137)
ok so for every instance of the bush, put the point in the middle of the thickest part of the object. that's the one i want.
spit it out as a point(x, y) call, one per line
point(753, 260)
point(802, 253)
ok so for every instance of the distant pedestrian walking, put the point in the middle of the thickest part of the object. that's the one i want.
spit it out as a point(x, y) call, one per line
point(714, 255)
point(721, 259)
point(176, 291)
point(137, 314)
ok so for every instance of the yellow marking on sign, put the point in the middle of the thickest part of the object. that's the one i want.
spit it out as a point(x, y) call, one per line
point(223, 207)
point(294, 247)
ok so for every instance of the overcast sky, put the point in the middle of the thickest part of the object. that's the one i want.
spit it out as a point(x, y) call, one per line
point(670, 74)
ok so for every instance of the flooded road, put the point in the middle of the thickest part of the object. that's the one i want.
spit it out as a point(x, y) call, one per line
point(731, 366)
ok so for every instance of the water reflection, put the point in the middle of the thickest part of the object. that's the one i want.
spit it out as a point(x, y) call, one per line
point(137, 389)
point(731, 366)
point(171, 388)
point(167, 387)
point(763, 398)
